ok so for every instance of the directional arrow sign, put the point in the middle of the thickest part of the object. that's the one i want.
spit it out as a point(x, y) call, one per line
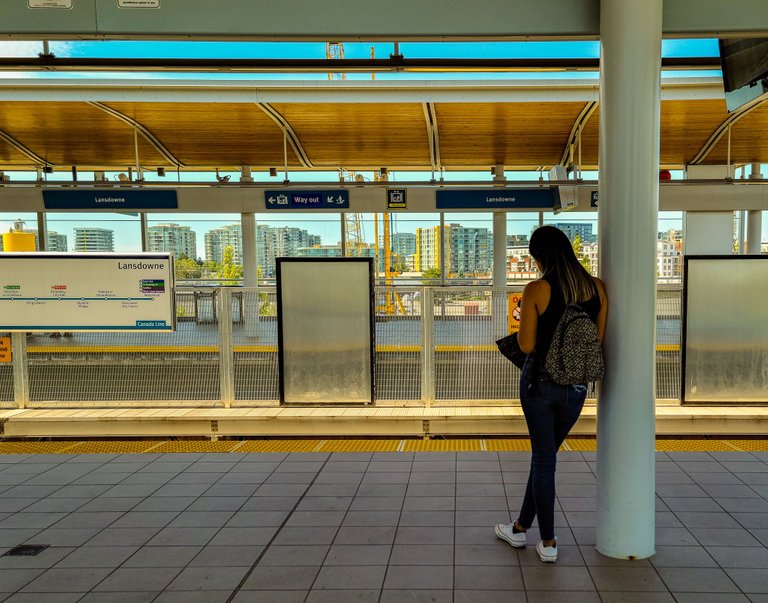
point(319, 199)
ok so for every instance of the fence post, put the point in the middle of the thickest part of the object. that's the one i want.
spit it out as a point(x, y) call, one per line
point(427, 346)
point(20, 369)
point(226, 352)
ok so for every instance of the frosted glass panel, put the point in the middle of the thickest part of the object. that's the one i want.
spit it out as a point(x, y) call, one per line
point(325, 319)
point(726, 347)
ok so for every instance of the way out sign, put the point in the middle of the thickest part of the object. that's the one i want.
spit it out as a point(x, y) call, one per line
point(514, 304)
point(5, 349)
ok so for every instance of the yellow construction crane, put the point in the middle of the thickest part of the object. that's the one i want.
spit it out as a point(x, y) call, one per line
point(335, 50)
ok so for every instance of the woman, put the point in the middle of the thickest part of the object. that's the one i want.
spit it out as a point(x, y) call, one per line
point(550, 409)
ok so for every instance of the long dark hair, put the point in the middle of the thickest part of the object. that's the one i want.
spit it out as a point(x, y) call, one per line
point(554, 251)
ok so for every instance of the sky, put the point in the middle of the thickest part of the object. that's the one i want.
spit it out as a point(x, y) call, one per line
point(126, 227)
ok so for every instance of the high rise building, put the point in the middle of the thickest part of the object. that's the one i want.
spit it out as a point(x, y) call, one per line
point(180, 240)
point(467, 250)
point(94, 239)
point(470, 250)
point(56, 241)
point(403, 243)
point(581, 229)
point(218, 239)
point(281, 241)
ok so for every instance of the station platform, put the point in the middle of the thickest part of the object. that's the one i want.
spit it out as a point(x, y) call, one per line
point(220, 521)
point(332, 421)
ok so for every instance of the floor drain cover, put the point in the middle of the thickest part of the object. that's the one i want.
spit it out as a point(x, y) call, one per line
point(26, 550)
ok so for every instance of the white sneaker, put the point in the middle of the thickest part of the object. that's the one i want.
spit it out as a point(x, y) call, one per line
point(504, 531)
point(548, 554)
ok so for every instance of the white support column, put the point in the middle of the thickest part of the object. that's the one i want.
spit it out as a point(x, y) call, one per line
point(754, 219)
point(499, 273)
point(144, 232)
point(250, 275)
point(630, 65)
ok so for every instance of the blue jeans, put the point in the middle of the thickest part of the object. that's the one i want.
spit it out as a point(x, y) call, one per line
point(551, 410)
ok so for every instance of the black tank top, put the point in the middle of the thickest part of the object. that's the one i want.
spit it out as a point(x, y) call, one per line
point(549, 318)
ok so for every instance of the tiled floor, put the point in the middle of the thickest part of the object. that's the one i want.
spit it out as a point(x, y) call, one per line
point(389, 527)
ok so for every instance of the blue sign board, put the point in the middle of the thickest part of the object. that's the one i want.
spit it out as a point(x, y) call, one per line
point(498, 198)
point(110, 198)
point(322, 199)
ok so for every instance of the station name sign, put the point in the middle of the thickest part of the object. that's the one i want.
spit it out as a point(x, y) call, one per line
point(116, 199)
point(320, 199)
point(495, 198)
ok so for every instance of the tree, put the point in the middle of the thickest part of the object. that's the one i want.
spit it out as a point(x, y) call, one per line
point(583, 260)
point(227, 269)
point(187, 268)
point(431, 273)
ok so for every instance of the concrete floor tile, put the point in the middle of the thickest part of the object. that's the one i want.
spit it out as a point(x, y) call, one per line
point(272, 596)
point(201, 519)
point(548, 596)
point(697, 580)
point(371, 518)
point(315, 519)
point(183, 537)
point(242, 536)
point(626, 579)
point(286, 556)
point(557, 577)
point(357, 554)
point(682, 556)
point(358, 577)
point(367, 535)
point(422, 554)
point(128, 579)
point(750, 580)
point(487, 578)
point(711, 598)
point(740, 556)
point(343, 596)
point(324, 503)
point(119, 597)
point(162, 556)
point(420, 596)
point(42, 598)
point(281, 578)
point(425, 535)
point(424, 503)
point(630, 597)
point(302, 536)
point(369, 503)
point(97, 556)
point(415, 577)
point(205, 596)
point(163, 504)
point(123, 536)
point(426, 518)
point(66, 580)
point(227, 556)
point(723, 537)
point(12, 580)
point(64, 536)
point(208, 579)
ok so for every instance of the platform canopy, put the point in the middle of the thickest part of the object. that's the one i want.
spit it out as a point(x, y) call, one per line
point(356, 125)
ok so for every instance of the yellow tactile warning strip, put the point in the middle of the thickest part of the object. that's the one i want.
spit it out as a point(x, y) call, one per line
point(352, 445)
point(197, 446)
point(361, 446)
point(443, 445)
point(694, 446)
point(281, 446)
point(508, 445)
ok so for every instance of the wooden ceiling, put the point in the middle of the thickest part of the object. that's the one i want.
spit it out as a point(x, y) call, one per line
point(356, 136)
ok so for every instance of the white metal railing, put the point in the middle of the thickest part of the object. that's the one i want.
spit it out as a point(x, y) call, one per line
point(433, 345)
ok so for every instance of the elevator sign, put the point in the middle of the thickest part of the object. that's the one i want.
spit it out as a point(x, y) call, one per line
point(320, 199)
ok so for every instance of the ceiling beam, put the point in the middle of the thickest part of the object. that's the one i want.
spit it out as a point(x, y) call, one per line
point(347, 91)
point(363, 20)
point(430, 118)
point(48, 63)
point(724, 128)
point(144, 132)
point(24, 150)
point(576, 130)
point(288, 133)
